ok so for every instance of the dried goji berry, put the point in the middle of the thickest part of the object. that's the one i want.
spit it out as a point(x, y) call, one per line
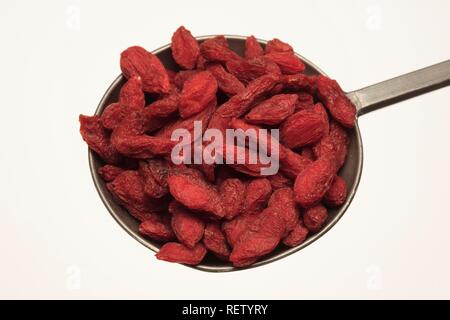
point(273, 110)
point(136, 61)
point(198, 92)
point(109, 172)
point(252, 48)
point(279, 181)
point(98, 139)
point(292, 163)
point(337, 194)
point(249, 70)
point(335, 100)
point(315, 217)
point(232, 192)
point(215, 241)
point(313, 182)
point(129, 138)
point(157, 228)
point(283, 201)
point(333, 146)
point(226, 82)
point(188, 123)
point(155, 173)
point(240, 103)
point(196, 195)
point(182, 76)
point(276, 45)
point(302, 128)
point(296, 236)
point(259, 240)
point(305, 101)
point(257, 195)
point(112, 115)
point(288, 62)
point(176, 252)
point(216, 50)
point(131, 95)
point(187, 227)
point(185, 49)
point(128, 188)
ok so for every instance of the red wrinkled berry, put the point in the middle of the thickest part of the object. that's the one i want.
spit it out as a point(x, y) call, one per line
point(313, 182)
point(176, 252)
point(185, 49)
point(315, 217)
point(198, 92)
point(337, 194)
point(136, 61)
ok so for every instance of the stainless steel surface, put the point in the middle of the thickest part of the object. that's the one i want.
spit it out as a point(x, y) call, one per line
point(400, 88)
point(351, 172)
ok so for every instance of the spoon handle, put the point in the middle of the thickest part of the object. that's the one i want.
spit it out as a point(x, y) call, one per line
point(401, 88)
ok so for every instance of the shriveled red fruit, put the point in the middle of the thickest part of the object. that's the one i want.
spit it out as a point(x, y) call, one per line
point(216, 50)
point(155, 173)
point(179, 253)
point(98, 139)
point(257, 195)
point(315, 217)
point(292, 163)
point(252, 48)
point(246, 165)
point(270, 144)
point(201, 63)
point(259, 240)
point(333, 146)
point(288, 62)
point(234, 228)
point(196, 195)
point(131, 95)
point(273, 110)
point(242, 102)
point(313, 182)
point(335, 100)
point(188, 124)
point(157, 112)
point(182, 76)
point(279, 181)
point(302, 128)
point(198, 92)
point(276, 45)
point(297, 236)
point(136, 61)
point(299, 82)
point(337, 194)
point(251, 69)
point(226, 82)
point(308, 152)
point(215, 241)
point(185, 49)
point(232, 192)
point(157, 228)
point(112, 115)
point(283, 201)
point(305, 101)
point(129, 138)
point(128, 188)
point(187, 227)
point(109, 172)
point(320, 110)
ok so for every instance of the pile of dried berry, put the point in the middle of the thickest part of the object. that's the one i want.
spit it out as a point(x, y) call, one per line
point(229, 210)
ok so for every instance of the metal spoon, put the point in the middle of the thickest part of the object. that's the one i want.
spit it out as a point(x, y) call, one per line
point(366, 100)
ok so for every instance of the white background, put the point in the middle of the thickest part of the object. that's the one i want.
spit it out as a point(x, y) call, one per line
point(58, 241)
